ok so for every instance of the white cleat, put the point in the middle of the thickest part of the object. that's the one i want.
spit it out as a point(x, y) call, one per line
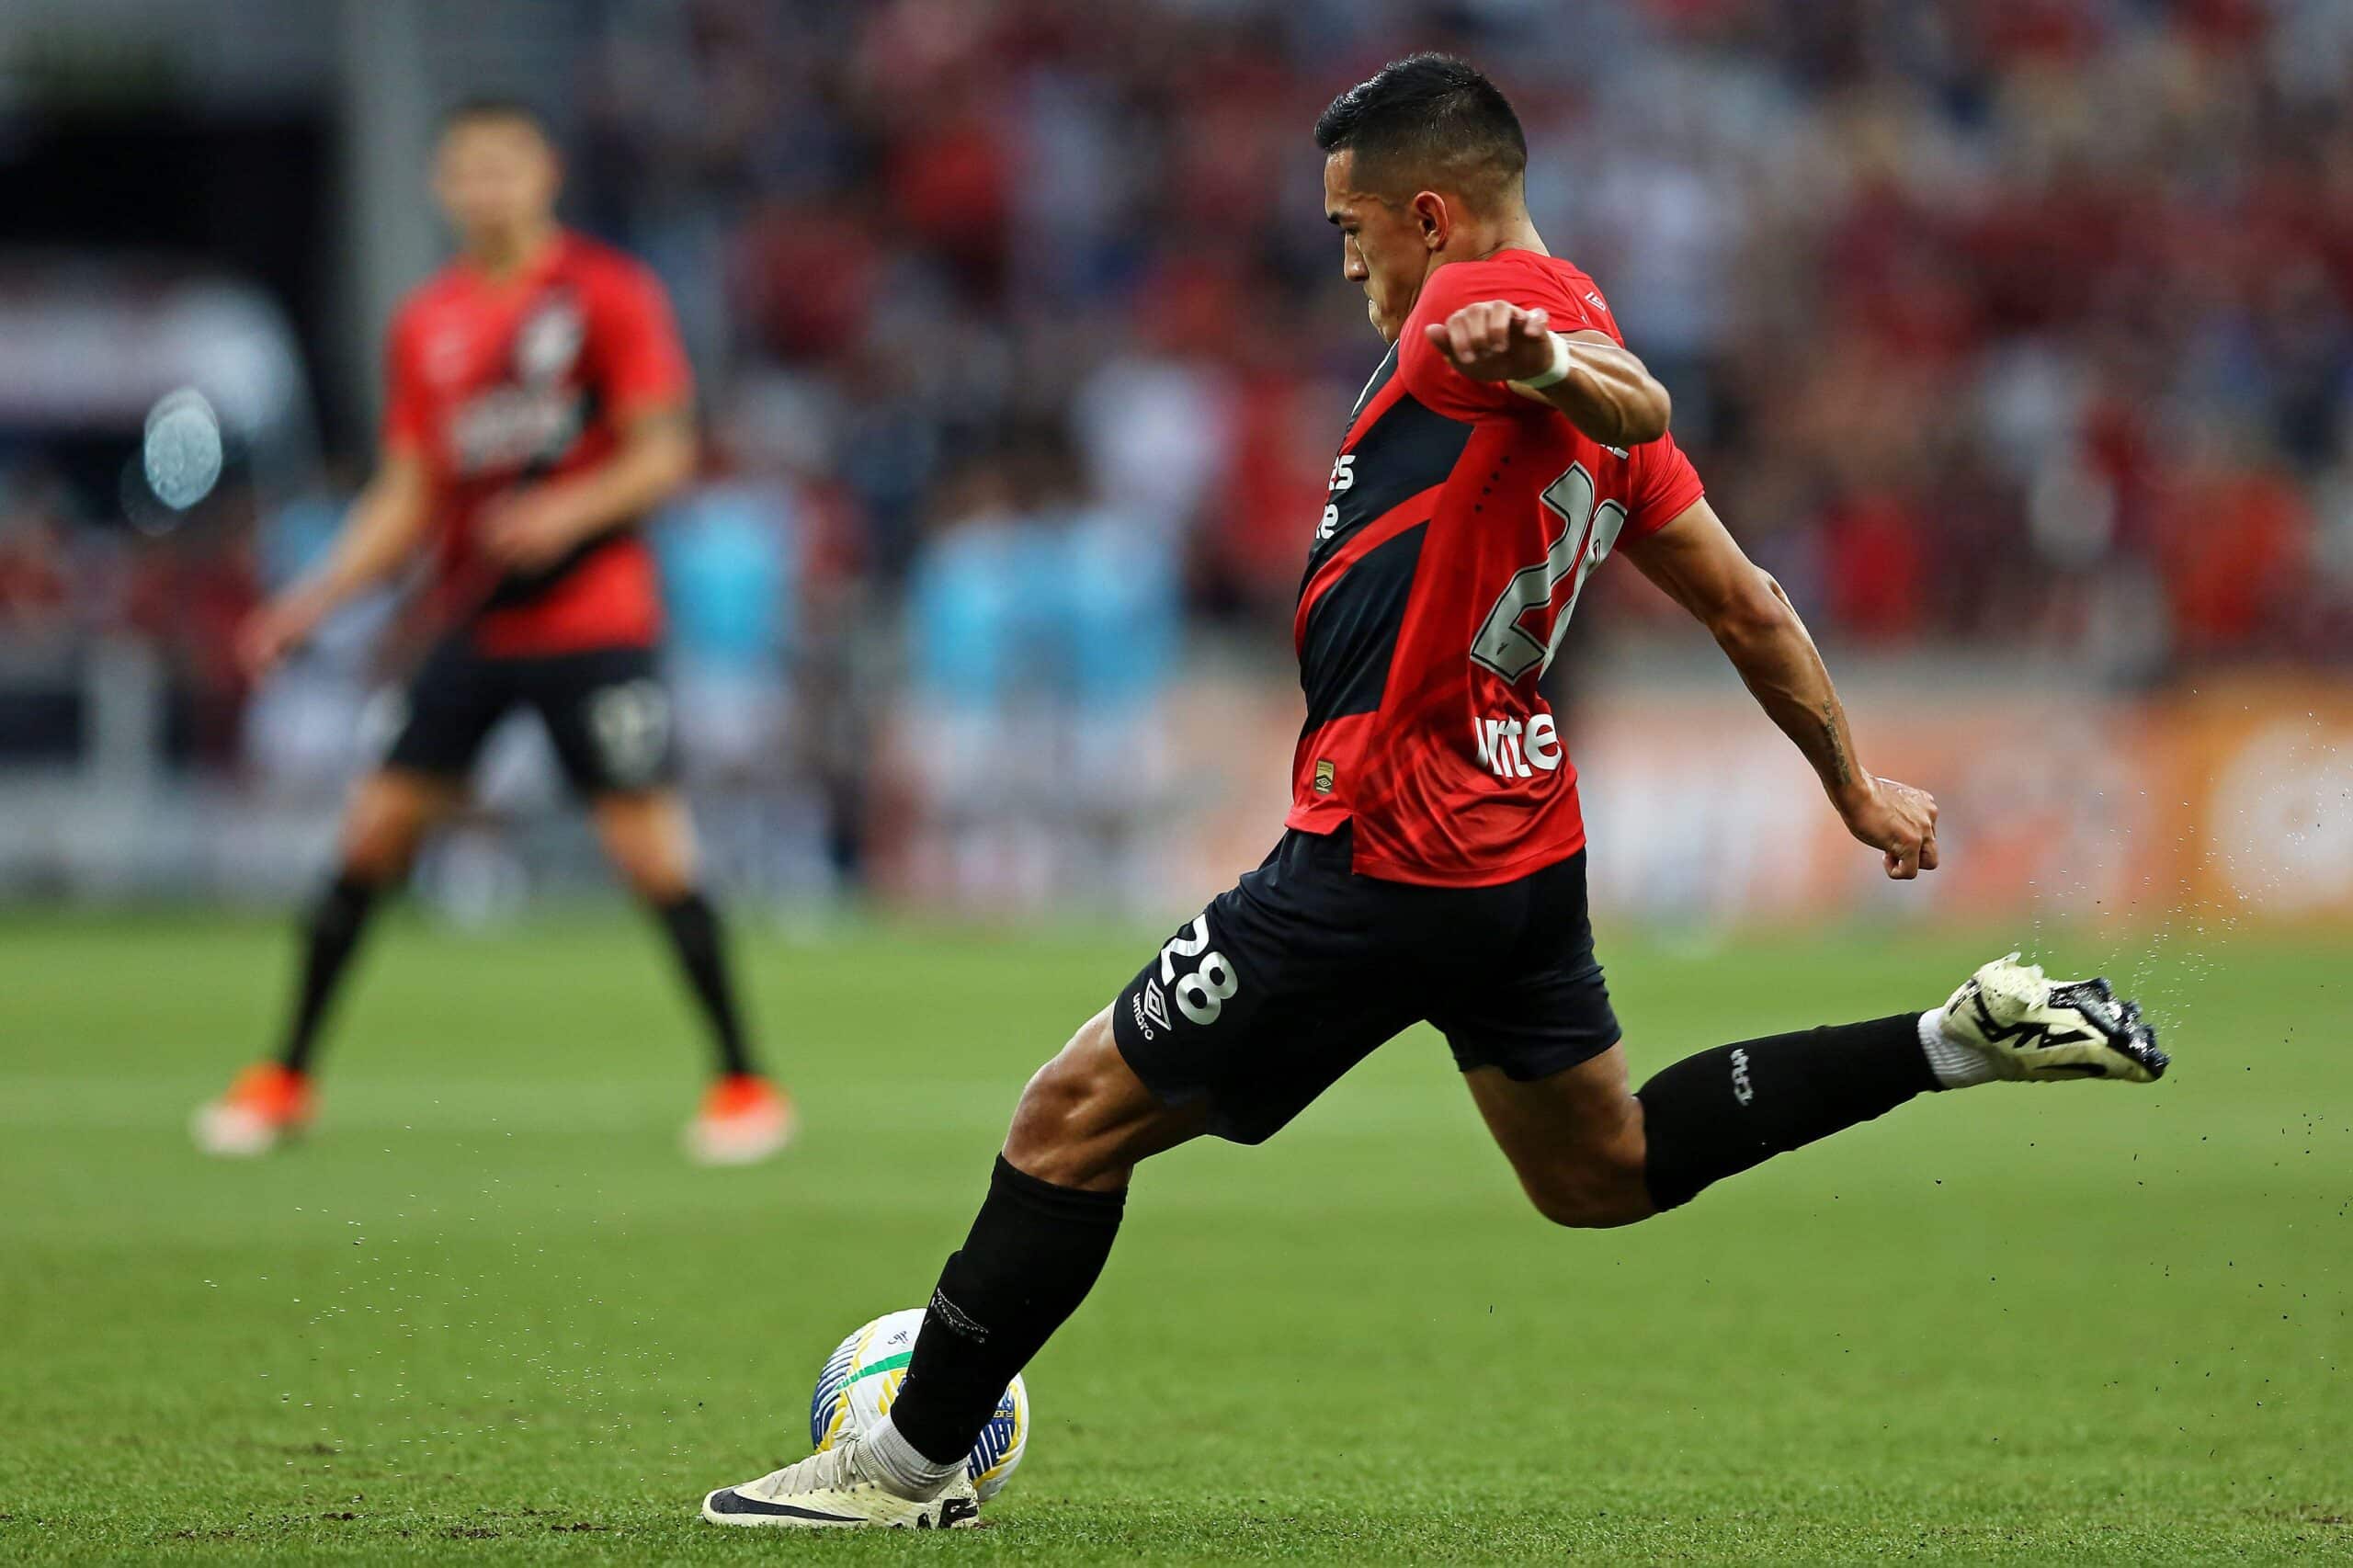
point(267, 1106)
point(2041, 1030)
point(232, 1132)
point(833, 1490)
point(744, 1119)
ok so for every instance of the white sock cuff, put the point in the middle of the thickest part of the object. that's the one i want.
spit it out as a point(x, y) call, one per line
point(1956, 1065)
point(903, 1466)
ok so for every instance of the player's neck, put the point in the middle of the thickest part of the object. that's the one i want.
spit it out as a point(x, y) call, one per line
point(502, 256)
point(1477, 241)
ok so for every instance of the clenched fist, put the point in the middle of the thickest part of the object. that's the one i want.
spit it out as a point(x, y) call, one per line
point(1898, 820)
point(1495, 341)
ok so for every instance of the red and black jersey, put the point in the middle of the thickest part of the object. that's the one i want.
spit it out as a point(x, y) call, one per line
point(500, 382)
point(1464, 519)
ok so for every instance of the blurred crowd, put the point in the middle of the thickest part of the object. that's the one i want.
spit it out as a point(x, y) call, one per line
point(2027, 321)
point(2022, 325)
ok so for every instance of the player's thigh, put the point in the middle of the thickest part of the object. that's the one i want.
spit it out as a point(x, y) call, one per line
point(1086, 1120)
point(1531, 1027)
point(649, 836)
point(609, 716)
point(1270, 994)
point(1575, 1139)
point(389, 814)
point(1526, 996)
point(439, 720)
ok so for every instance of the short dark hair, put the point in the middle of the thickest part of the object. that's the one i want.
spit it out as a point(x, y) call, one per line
point(482, 110)
point(1425, 115)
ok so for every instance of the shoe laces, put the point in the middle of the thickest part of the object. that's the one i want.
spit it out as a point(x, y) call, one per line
point(827, 1470)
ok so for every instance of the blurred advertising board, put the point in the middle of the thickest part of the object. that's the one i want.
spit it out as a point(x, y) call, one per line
point(2231, 801)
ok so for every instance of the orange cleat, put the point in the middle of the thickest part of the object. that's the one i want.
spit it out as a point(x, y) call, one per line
point(745, 1118)
point(267, 1105)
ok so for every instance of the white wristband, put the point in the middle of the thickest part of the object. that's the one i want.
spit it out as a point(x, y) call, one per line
point(1557, 371)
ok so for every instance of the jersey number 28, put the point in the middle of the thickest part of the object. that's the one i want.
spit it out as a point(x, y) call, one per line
point(1512, 649)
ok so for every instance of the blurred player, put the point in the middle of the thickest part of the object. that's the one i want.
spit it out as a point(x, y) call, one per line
point(1433, 868)
point(538, 409)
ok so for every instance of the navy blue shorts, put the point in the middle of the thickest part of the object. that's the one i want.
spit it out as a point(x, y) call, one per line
point(1303, 969)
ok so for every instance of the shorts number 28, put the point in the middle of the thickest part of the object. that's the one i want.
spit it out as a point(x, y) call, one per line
point(1200, 996)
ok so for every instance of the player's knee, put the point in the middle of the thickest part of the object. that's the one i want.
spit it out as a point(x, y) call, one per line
point(1591, 1188)
point(379, 841)
point(374, 860)
point(657, 878)
point(649, 842)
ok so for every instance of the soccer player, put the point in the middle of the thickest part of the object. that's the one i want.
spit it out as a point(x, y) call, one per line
point(538, 409)
point(1434, 865)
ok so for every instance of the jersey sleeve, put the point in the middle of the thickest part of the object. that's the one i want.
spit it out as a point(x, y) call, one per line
point(407, 410)
point(1664, 486)
point(640, 363)
point(1564, 294)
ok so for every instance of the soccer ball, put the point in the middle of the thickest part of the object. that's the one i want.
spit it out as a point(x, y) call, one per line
point(862, 1377)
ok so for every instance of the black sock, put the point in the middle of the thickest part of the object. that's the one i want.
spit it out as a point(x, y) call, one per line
point(693, 927)
point(1033, 1253)
point(1718, 1113)
point(331, 933)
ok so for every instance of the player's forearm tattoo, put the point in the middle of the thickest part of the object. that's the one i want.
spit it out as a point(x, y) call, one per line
point(1842, 768)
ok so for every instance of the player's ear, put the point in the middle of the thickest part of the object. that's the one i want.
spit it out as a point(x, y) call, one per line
point(1434, 219)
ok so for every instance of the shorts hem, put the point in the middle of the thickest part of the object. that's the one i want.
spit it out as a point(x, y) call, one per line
point(1167, 1093)
point(1535, 1066)
point(437, 772)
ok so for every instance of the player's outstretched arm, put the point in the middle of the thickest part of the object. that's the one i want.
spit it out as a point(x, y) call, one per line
point(1699, 566)
point(1604, 390)
point(379, 536)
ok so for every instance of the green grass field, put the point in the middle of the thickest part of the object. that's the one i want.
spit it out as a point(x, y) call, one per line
point(488, 1314)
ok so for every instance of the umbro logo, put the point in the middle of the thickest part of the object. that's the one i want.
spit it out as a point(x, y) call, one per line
point(1155, 1006)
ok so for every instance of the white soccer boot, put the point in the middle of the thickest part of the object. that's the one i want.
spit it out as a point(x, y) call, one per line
point(2039, 1030)
point(833, 1489)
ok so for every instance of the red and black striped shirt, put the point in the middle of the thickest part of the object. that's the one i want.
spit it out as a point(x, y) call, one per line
point(1464, 519)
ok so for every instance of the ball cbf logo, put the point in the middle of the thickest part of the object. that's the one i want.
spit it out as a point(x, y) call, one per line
point(548, 342)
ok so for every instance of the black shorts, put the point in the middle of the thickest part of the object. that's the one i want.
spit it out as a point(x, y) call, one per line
point(606, 710)
point(1295, 975)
